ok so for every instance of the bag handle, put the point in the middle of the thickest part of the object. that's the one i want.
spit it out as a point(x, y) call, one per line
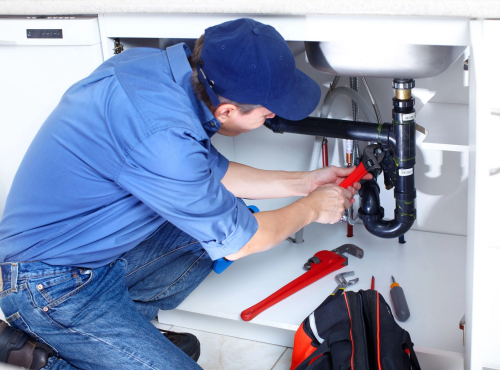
point(337, 336)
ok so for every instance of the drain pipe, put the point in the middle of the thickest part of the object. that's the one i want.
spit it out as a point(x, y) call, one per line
point(403, 115)
point(331, 127)
point(398, 138)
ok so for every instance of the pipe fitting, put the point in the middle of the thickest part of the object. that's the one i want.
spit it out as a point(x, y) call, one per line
point(401, 174)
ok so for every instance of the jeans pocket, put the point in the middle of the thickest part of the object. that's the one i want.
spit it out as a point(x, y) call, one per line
point(50, 291)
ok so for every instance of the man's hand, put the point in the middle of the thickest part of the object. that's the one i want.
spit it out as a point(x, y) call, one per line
point(333, 175)
point(328, 202)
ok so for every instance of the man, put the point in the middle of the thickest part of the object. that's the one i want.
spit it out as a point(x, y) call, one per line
point(122, 204)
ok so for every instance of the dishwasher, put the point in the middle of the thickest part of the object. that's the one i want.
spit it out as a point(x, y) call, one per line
point(40, 58)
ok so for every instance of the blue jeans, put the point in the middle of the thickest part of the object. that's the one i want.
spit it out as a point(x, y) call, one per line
point(100, 318)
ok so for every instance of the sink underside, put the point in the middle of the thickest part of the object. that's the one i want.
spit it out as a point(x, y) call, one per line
point(374, 60)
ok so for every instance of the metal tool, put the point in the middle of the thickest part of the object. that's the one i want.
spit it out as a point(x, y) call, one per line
point(342, 283)
point(318, 266)
point(401, 310)
point(351, 249)
point(372, 157)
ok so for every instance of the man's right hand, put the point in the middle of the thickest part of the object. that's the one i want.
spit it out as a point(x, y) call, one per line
point(328, 202)
point(326, 205)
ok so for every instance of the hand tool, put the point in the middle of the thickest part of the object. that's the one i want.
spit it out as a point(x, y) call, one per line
point(342, 283)
point(370, 162)
point(373, 283)
point(401, 310)
point(318, 266)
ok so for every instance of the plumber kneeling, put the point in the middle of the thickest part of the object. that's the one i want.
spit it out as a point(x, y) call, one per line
point(121, 204)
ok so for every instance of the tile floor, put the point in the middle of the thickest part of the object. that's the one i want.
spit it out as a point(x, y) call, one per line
point(221, 352)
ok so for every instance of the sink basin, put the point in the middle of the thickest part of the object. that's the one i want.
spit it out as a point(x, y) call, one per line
point(375, 60)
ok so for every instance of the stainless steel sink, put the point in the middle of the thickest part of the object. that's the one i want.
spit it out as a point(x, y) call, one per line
point(374, 60)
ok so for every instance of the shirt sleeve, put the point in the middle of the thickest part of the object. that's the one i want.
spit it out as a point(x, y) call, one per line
point(178, 176)
point(218, 163)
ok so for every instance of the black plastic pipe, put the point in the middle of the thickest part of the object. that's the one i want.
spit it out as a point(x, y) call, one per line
point(399, 137)
point(372, 214)
point(404, 153)
point(337, 128)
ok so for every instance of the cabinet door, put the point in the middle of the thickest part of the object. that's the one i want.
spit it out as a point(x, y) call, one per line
point(483, 255)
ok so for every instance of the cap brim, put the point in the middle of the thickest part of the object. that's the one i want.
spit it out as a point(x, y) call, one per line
point(299, 102)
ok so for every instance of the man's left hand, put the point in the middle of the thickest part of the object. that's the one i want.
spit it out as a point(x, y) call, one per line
point(333, 175)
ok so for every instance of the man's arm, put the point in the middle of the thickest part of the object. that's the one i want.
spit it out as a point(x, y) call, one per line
point(251, 183)
point(326, 205)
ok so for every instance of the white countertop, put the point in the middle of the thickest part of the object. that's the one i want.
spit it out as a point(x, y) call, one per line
point(451, 8)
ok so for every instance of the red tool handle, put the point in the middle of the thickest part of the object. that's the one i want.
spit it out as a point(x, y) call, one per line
point(357, 175)
point(330, 261)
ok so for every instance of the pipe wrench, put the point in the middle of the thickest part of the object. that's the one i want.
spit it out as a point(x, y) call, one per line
point(370, 162)
point(318, 266)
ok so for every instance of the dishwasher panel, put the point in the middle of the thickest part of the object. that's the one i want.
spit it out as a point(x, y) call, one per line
point(40, 58)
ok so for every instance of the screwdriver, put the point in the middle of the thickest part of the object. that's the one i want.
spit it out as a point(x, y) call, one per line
point(401, 310)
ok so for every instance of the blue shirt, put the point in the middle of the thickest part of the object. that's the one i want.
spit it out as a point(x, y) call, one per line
point(126, 149)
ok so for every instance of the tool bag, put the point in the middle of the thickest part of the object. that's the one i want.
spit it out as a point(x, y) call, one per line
point(355, 331)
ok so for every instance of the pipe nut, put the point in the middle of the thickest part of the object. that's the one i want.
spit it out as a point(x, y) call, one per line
point(403, 83)
point(370, 218)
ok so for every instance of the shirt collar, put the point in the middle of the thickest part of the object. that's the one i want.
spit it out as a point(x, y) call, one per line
point(181, 70)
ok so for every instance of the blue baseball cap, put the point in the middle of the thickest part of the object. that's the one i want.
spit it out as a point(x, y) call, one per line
point(250, 63)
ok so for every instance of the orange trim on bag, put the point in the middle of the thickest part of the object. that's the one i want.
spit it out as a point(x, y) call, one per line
point(378, 333)
point(350, 332)
point(302, 347)
point(314, 359)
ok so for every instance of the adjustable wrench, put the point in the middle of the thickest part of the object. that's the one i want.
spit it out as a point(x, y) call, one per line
point(342, 282)
point(318, 266)
point(370, 162)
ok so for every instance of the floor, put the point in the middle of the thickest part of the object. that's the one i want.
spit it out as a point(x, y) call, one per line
point(220, 352)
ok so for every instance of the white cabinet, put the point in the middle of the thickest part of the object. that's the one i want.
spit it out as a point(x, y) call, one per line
point(448, 266)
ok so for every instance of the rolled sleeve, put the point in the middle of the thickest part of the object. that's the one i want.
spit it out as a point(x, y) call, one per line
point(246, 227)
point(178, 176)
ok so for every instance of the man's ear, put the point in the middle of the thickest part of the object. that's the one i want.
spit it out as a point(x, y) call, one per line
point(225, 111)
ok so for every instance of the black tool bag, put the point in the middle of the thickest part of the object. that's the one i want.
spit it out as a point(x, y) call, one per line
point(355, 331)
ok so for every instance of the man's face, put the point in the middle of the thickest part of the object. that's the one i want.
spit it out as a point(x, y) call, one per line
point(233, 122)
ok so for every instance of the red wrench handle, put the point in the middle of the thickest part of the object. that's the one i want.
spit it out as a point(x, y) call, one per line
point(357, 175)
point(330, 262)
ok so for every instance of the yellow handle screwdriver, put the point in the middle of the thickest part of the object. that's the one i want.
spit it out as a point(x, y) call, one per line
point(401, 310)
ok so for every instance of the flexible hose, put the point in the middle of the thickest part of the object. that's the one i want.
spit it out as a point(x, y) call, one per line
point(318, 140)
point(372, 99)
point(363, 105)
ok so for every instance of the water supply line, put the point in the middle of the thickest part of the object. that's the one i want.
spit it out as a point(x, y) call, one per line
point(354, 82)
point(353, 156)
point(318, 148)
point(372, 99)
point(353, 95)
point(350, 219)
